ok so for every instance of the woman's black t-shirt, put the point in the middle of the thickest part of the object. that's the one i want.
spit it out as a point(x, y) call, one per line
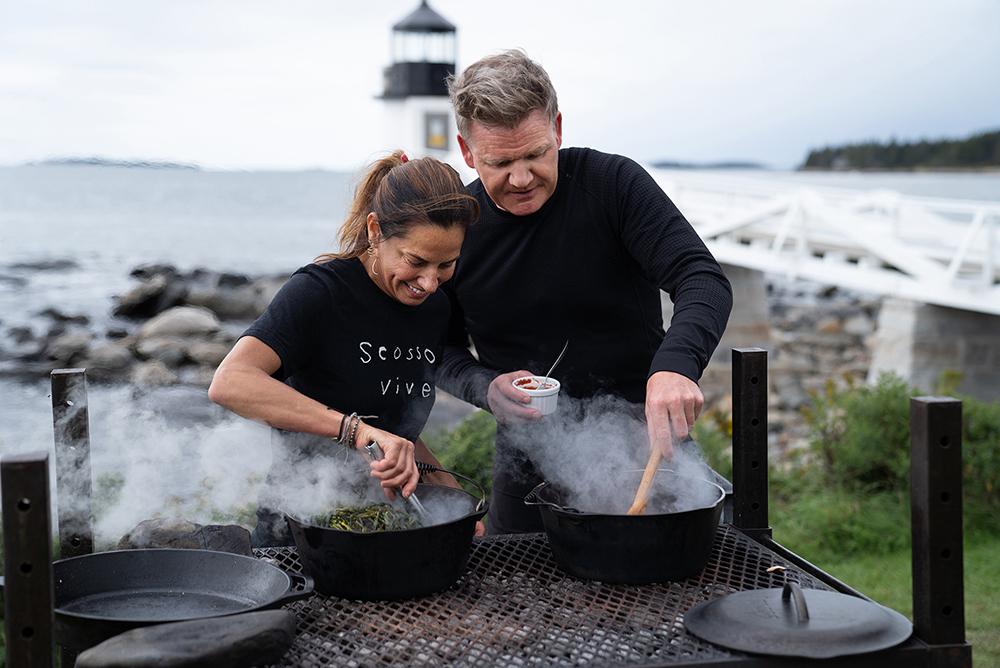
point(345, 343)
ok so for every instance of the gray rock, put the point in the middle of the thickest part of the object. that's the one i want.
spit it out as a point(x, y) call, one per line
point(181, 321)
point(65, 347)
point(153, 372)
point(158, 293)
point(236, 303)
point(249, 639)
point(179, 533)
point(829, 325)
point(237, 300)
point(859, 324)
point(166, 349)
point(108, 360)
point(207, 353)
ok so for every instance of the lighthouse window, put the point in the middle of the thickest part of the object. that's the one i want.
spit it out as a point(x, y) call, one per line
point(436, 125)
point(424, 47)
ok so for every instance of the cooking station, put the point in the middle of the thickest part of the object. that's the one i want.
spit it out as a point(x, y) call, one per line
point(515, 606)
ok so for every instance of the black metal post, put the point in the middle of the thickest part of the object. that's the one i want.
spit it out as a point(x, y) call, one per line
point(74, 487)
point(750, 442)
point(936, 517)
point(29, 615)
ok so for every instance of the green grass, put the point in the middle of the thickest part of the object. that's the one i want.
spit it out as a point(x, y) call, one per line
point(886, 578)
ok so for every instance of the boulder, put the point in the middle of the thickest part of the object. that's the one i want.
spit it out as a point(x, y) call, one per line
point(152, 372)
point(237, 298)
point(207, 353)
point(108, 359)
point(65, 347)
point(166, 349)
point(235, 303)
point(156, 294)
point(181, 321)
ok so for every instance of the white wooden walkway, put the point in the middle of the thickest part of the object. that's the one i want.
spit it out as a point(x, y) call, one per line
point(936, 251)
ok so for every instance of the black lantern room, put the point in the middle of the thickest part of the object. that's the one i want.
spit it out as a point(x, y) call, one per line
point(423, 55)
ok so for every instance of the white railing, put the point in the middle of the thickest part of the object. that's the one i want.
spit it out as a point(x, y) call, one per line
point(936, 251)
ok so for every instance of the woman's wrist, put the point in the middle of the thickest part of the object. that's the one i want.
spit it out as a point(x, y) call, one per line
point(347, 433)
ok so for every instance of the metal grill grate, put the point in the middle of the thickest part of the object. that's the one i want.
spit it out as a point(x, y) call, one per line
point(514, 606)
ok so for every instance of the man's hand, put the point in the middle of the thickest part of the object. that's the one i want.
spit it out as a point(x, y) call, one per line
point(507, 403)
point(673, 403)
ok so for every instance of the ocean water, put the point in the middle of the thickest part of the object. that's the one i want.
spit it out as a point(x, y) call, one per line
point(69, 237)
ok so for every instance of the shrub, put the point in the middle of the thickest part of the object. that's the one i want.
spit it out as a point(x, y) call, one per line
point(468, 449)
point(862, 437)
point(714, 434)
point(862, 434)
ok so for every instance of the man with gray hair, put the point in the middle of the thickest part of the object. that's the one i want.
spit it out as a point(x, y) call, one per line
point(572, 244)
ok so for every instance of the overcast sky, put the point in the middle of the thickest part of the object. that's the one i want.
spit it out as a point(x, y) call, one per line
point(291, 84)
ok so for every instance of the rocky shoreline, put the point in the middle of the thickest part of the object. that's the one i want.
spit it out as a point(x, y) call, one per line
point(817, 334)
point(174, 328)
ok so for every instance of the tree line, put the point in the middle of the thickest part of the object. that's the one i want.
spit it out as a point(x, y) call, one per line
point(981, 150)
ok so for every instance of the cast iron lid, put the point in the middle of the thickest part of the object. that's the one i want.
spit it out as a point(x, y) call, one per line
point(789, 622)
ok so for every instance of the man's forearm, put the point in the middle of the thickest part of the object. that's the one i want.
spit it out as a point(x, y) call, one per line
point(461, 375)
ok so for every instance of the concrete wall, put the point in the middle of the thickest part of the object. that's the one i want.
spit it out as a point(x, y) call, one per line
point(920, 342)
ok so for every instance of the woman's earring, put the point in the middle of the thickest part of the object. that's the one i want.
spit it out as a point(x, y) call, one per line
point(371, 253)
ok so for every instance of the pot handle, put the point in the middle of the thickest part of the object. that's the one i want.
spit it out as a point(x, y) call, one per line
point(532, 500)
point(430, 468)
point(794, 591)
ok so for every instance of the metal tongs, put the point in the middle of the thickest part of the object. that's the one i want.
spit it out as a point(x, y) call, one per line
point(374, 451)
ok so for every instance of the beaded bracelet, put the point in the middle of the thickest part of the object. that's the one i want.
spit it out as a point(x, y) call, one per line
point(348, 428)
point(350, 441)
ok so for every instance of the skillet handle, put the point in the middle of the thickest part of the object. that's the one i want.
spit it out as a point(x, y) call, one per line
point(292, 595)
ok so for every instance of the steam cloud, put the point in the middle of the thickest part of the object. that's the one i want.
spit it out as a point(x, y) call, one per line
point(596, 449)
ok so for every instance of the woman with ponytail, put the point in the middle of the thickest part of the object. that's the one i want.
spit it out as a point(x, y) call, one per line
point(346, 352)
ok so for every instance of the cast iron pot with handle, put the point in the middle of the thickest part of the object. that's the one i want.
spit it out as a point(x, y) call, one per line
point(394, 565)
point(596, 540)
point(98, 596)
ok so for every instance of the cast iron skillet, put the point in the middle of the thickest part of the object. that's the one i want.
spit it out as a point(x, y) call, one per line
point(100, 595)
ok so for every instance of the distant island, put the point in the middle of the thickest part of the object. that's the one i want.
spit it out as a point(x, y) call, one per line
point(981, 151)
point(671, 164)
point(108, 162)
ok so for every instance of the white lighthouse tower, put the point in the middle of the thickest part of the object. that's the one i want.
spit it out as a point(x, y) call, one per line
point(418, 114)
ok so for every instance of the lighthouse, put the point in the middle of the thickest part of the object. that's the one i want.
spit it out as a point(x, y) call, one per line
point(418, 113)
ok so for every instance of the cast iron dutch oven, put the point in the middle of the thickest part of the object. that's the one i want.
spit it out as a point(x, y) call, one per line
point(791, 622)
point(394, 565)
point(672, 541)
point(101, 595)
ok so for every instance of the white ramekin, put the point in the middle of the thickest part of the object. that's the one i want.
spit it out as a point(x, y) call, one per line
point(544, 398)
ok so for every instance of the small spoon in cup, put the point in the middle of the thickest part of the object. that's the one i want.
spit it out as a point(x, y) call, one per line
point(554, 365)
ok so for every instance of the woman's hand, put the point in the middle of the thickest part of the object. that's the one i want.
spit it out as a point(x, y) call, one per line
point(507, 403)
point(397, 468)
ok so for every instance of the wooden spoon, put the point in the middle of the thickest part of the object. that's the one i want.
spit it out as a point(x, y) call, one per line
point(642, 496)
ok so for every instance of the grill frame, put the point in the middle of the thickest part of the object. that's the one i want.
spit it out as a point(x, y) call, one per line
point(514, 606)
point(491, 616)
